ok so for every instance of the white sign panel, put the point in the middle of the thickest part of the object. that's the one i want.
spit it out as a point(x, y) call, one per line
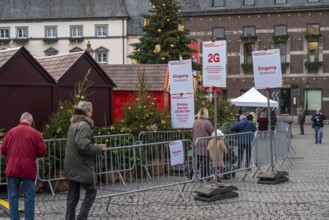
point(180, 76)
point(182, 110)
point(176, 152)
point(214, 64)
point(267, 68)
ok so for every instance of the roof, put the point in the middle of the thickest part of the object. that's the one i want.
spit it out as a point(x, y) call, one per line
point(5, 55)
point(61, 9)
point(125, 76)
point(59, 64)
point(253, 98)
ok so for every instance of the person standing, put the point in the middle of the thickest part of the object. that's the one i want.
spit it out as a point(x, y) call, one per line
point(79, 159)
point(317, 124)
point(21, 146)
point(217, 152)
point(301, 119)
point(262, 121)
point(244, 139)
point(202, 127)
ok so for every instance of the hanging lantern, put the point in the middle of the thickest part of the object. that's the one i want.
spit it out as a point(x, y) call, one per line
point(159, 30)
point(180, 27)
point(163, 58)
point(157, 48)
point(172, 45)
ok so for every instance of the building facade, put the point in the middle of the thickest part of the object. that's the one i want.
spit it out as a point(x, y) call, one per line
point(56, 27)
point(298, 27)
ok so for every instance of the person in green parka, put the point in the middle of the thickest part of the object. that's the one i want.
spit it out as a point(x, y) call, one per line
point(79, 160)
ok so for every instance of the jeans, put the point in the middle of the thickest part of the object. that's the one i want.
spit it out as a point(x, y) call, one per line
point(318, 134)
point(241, 149)
point(73, 196)
point(13, 187)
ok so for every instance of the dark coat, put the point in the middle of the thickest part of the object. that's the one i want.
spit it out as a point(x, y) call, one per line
point(244, 125)
point(262, 124)
point(22, 145)
point(80, 151)
point(301, 116)
point(317, 120)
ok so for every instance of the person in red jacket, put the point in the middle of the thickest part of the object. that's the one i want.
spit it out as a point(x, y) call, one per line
point(22, 145)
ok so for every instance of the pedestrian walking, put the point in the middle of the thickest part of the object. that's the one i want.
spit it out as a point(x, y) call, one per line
point(244, 140)
point(202, 127)
point(317, 125)
point(21, 146)
point(79, 159)
point(301, 119)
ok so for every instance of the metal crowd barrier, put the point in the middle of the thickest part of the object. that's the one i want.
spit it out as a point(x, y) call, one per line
point(144, 167)
point(234, 160)
point(51, 169)
point(145, 137)
point(281, 146)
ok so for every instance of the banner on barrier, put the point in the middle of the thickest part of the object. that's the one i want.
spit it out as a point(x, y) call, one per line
point(176, 153)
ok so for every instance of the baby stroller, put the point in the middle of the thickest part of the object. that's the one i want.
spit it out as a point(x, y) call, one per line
point(230, 159)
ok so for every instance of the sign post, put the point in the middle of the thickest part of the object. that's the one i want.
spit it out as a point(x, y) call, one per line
point(267, 74)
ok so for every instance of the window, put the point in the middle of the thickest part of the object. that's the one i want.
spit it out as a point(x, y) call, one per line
point(218, 32)
point(218, 3)
point(280, 30)
point(248, 48)
point(51, 51)
point(21, 32)
point(313, 99)
point(4, 33)
point(312, 1)
point(249, 31)
point(76, 31)
point(248, 2)
point(51, 32)
point(101, 55)
point(282, 47)
point(101, 31)
point(146, 21)
point(278, 2)
point(313, 29)
point(101, 58)
point(313, 45)
point(313, 51)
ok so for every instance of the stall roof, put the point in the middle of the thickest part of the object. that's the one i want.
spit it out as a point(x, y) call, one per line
point(125, 76)
point(77, 64)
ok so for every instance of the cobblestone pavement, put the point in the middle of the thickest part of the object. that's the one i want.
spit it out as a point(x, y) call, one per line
point(304, 196)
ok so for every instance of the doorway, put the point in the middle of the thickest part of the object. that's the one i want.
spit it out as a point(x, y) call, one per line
point(285, 101)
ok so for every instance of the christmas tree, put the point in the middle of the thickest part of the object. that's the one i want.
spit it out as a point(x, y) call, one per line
point(165, 37)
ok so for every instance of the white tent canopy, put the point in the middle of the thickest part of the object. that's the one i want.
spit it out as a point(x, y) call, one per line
point(253, 98)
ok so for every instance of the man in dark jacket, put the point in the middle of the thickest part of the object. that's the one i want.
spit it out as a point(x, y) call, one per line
point(301, 119)
point(22, 145)
point(317, 124)
point(244, 139)
point(79, 159)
